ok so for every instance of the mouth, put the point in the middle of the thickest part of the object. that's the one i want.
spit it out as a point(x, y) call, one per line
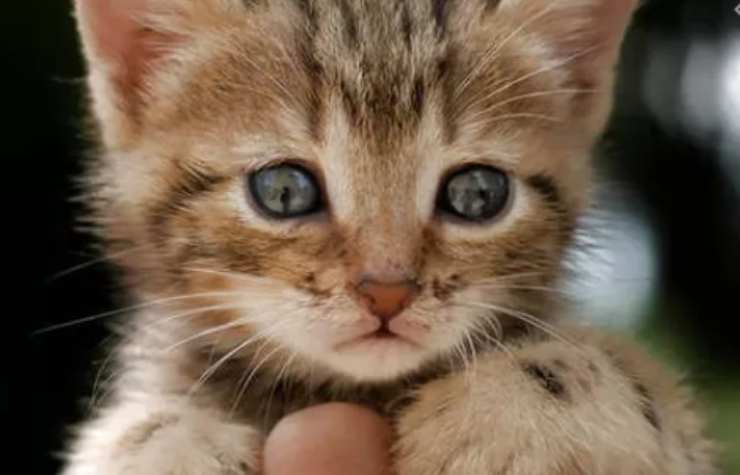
point(382, 333)
point(378, 352)
point(382, 336)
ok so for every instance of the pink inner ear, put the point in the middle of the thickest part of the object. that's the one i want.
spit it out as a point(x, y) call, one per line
point(116, 36)
point(611, 18)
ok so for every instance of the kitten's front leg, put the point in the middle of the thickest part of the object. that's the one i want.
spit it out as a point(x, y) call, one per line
point(548, 408)
point(151, 435)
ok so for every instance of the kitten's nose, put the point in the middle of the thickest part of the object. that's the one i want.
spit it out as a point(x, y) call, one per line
point(386, 300)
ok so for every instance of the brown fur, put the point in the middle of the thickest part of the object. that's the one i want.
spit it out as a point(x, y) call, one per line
point(381, 101)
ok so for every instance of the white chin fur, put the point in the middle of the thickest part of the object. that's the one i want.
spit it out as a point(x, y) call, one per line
point(341, 348)
point(376, 360)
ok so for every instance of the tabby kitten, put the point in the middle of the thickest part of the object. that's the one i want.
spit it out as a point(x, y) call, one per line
point(365, 201)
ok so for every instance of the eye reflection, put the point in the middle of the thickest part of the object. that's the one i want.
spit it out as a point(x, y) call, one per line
point(476, 193)
point(285, 191)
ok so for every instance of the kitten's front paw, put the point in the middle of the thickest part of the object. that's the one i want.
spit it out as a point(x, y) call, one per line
point(168, 446)
point(542, 410)
point(191, 442)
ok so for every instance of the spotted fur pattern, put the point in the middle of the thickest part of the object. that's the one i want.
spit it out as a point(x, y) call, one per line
point(238, 319)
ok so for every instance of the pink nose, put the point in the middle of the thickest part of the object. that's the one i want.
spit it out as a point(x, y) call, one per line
point(386, 300)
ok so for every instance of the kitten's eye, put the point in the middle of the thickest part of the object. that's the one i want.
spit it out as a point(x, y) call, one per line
point(476, 193)
point(285, 191)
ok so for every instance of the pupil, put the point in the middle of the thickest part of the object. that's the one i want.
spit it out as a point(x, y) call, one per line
point(285, 199)
point(477, 193)
point(472, 205)
point(285, 191)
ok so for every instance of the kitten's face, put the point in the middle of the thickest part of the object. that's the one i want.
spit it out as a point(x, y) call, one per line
point(371, 185)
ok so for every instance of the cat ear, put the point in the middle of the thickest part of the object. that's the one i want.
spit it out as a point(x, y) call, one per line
point(589, 33)
point(115, 38)
point(123, 45)
point(583, 39)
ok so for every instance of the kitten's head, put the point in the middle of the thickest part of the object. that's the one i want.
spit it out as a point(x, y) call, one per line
point(370, 185)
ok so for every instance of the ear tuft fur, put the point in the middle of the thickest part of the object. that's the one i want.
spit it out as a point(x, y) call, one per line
point(119, 44)
point(126, 42)
point(588, 31)
point(584, 38)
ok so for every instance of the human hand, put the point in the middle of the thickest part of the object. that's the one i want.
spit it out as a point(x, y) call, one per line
point(332, 439)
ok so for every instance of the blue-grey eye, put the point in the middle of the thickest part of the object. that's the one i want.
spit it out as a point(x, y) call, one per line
point(285, 191)
point(476, 193)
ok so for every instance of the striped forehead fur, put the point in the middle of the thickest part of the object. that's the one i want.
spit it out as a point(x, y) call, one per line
point(381, 101)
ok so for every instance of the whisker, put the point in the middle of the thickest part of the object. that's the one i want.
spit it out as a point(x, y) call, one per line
point(242, 346)
point(550, 67)
point(196, 311)
point(280, 375)
point(92, 262)
point(226, 306)
point(277, 380)
point(470, 370)
point(553, 92)
point(99, 378)
point(460, 351)
point(247, 278)
point(497, 47)
point(204, 333)
point(235, 275)
point(514, 276)
point(131, 308)
point(474, 118)
point(525, 317)
point(552, 290)
point(98, 398)
point(239, 392)
point(495, 325)
point(246, 379)
point(214, 367)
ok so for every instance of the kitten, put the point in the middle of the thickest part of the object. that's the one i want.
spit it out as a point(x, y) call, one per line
point(366, 201)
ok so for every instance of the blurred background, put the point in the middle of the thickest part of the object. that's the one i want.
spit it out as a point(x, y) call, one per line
point(665, 240)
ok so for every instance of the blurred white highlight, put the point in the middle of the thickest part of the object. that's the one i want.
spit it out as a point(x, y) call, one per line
point(616, 277)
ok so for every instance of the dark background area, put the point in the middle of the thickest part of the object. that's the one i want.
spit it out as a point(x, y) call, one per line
point(669, 145)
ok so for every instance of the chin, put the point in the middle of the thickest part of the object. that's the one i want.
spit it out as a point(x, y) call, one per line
point(377, 359)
